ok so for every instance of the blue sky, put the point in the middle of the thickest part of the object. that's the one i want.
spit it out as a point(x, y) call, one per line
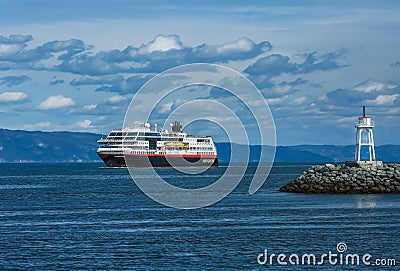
point(75, 65)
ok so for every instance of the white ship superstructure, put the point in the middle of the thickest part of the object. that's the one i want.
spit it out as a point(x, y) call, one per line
point(141, 146)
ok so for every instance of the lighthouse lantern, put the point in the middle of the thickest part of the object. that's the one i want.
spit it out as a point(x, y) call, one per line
point(364, 138)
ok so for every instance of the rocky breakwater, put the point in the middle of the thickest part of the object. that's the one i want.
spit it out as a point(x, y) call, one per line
point(349, 178)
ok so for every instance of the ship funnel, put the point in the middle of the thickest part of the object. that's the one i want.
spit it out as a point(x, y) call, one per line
point(176, 127)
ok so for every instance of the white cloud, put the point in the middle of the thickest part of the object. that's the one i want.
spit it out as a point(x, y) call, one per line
point(300, 100)
point(240, 45)
point(275, 101)
point(163, 43)
point(12, 96)
point(84, 124)
point(89, 107)
point(116, 99)
point(10, 49)
point(165, 108)
point(370, 87)
point(55, 102)
point(386, 99)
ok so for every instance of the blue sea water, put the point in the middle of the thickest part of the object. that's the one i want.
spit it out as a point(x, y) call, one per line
point(80, 216)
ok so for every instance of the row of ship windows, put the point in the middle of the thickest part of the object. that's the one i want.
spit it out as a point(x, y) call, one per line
point(116, 138)
point(198, 140)
point(146, 147)
point(135, 142)
point(201, 148)
point(198, 153)
point(134, 134)
point(151, 134)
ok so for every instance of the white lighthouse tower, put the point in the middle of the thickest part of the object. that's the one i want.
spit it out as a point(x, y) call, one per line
point(365, 137)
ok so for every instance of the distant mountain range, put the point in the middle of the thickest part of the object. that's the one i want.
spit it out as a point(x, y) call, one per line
point(27, 146)
point(34, 146)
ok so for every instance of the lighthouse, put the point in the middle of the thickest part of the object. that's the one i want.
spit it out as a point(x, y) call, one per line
point(364, 138)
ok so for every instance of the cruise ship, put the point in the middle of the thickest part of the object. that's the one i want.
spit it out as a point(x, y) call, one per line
point(144, 146)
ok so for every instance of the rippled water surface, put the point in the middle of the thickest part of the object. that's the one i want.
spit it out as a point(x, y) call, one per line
point(80, 216)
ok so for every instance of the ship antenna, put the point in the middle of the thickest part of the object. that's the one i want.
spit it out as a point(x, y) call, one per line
point(364, 111)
